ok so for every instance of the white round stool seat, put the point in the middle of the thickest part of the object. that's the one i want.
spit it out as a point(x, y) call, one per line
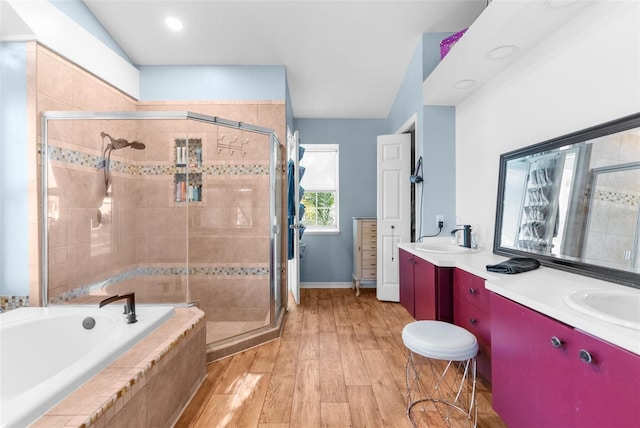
point(440, 340)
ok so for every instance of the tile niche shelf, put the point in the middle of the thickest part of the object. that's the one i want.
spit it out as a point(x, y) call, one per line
point(503, 32)
point(187, 179)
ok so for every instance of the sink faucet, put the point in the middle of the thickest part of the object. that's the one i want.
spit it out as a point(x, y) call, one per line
point(466, 238)
point(129, 309)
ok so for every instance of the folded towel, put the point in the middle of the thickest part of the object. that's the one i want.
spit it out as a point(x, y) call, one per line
point(515, 265)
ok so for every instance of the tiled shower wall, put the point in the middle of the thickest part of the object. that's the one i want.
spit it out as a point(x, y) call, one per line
point(55, 84)
point(149, 237)
point(614, 210)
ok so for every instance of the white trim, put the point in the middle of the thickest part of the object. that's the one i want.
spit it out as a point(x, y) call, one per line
point(331, 148)
point(61, 34)
point(412, 121)
point(326, 285)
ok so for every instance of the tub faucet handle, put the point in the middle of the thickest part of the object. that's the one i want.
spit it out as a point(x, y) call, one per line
point(129, 309)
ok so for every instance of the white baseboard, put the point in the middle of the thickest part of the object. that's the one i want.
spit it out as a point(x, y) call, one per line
point(333, 285)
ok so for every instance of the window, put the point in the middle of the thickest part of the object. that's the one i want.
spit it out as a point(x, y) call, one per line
point(320, 184)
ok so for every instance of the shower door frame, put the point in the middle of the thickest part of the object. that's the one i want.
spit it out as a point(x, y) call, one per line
point(275, 306)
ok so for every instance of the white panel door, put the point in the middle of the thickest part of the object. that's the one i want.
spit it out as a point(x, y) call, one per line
point(393, 210)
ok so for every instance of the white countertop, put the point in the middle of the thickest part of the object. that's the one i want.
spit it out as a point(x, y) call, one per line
point(542, 290)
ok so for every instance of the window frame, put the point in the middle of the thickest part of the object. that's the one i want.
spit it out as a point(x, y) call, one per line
point(323, 230)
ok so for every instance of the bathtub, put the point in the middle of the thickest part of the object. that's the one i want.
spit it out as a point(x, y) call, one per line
point(46, 353)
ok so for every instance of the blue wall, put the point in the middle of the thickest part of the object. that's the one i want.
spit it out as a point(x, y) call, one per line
point(438, 149)
point(209, 82)
point(328, 258)
point(435, 136)
point(14, 205)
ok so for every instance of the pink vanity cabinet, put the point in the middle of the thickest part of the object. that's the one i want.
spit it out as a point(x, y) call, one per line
point(425, 289)
point(548, 374)
point(471, 310)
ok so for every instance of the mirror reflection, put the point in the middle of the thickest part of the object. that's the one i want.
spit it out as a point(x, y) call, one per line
point(573, 202)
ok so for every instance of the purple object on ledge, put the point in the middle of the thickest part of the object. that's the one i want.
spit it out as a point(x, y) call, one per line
point(447, 44)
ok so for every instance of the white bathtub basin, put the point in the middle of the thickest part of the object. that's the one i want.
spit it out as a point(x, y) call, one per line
point(620, 307)
point(47, 352)
point(430, 247)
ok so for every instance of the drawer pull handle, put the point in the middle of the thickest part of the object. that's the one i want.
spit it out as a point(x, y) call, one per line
point(555, 342)
point(585, 356)
point(473, 321)
point(473, 291)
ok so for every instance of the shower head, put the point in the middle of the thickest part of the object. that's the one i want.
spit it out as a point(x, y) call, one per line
point(121, 143)
point(137, 145)
point(114, 144)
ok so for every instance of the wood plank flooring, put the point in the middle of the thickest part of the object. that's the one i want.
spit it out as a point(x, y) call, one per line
point(339, 363)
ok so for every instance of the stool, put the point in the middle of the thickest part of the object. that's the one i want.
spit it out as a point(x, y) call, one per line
point(441, 373)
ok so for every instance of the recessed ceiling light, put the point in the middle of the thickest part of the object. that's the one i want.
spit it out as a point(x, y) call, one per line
point(464, 84)
point(173, 23)
point(502, 52)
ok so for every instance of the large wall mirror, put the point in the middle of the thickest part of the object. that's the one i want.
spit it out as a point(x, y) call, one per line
point(573, 202)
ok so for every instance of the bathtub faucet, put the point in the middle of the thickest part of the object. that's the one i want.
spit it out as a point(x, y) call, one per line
point(129, 309)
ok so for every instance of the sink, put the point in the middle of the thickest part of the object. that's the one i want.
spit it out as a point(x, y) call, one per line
point(620, 307)
point(442, 248)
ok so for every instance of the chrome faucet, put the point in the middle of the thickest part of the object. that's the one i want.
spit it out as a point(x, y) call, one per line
point(129, 309)
point(466, 237)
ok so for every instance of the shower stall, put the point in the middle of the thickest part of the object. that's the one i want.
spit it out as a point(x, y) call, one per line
point(179, 208)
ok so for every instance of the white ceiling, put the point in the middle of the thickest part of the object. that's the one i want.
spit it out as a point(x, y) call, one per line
point(343, 58)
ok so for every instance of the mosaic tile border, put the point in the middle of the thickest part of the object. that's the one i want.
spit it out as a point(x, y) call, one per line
point(156, 271)
point(74, 157)
point(8, 303)
point(617, 198)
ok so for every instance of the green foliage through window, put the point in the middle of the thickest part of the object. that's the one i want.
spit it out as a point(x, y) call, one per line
point(319, 209)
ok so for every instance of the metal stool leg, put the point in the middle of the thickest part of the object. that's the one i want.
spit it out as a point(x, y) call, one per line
point(441, 390)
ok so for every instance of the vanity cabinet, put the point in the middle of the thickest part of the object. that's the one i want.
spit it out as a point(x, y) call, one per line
point(549, 374)
point(425, 289)
point(471, 310)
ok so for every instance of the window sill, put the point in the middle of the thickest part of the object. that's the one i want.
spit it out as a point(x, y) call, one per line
point(321, 232)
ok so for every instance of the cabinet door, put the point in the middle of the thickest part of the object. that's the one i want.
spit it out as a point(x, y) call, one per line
point(607, 387)
point(532, 380)
point(424, 277)
point(406, 280)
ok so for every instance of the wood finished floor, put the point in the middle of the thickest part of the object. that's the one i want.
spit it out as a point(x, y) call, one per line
point(339, 363)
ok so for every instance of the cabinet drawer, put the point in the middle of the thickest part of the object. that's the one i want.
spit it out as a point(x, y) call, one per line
point(369, 255)
point(473, 319)
point(369, 273)
point(369, 230)
point(470, 288)
point(369, 264)
point(368, 245)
